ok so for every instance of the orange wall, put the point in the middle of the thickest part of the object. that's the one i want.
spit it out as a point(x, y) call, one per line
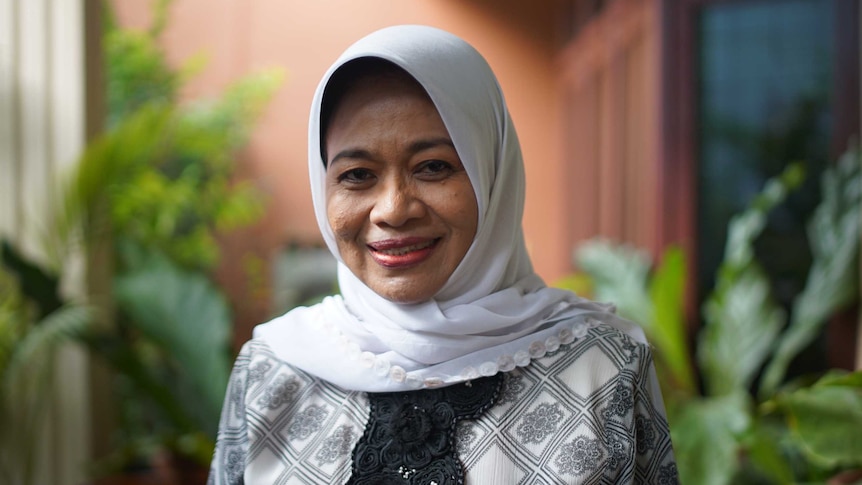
point(304, 37)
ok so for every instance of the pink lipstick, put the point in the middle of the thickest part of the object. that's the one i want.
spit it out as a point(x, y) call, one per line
point(402, 252)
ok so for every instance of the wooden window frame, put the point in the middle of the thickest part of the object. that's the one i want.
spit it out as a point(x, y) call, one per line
point(679, 141)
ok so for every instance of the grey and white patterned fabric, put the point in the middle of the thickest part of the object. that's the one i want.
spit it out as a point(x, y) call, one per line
point(588, 413)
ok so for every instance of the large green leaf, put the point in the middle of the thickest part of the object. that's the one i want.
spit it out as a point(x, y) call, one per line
point(26, 386)
point(745, 227)
point(36, 283)
point(667, 292)
point(827, 419)
point(742, 320)
point(765, 447)
point(38, 345)
point(706, 437)
point(619, 275)
point(183, 313)
point(833, 233)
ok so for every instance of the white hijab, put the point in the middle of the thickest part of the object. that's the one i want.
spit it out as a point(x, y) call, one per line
point(494, 313)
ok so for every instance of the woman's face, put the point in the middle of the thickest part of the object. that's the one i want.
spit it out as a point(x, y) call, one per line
point(397, 197)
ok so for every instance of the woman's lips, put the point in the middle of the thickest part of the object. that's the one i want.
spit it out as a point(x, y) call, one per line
point(398, 253)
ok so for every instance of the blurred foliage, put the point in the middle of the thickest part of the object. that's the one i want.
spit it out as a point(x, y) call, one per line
point(33, 325)
point(178, 189)
point(170, 349)
point(159, 187)
point(735, 418)
point(154, 190)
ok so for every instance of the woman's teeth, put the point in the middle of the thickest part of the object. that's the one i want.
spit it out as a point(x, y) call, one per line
point(406, 249)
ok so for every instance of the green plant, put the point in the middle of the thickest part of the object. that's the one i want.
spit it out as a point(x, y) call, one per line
point(34, 323)
point(156, 189)
point(170, 348)
point(735, 418)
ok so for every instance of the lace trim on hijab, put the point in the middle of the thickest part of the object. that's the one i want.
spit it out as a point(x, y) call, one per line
point(382, 368)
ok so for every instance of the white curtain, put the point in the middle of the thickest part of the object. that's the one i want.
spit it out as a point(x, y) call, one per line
point(42, 132)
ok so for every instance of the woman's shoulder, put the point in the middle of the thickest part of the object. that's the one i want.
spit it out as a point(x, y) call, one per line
point(580, 414)
point(308, 426)
point(599, 344)
point(270, 386)
point(262, 366)
point(599, 360)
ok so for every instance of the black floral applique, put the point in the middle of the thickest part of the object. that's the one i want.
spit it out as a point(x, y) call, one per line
point(410, 437)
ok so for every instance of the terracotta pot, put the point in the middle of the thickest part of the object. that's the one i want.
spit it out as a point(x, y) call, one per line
point(846, 478)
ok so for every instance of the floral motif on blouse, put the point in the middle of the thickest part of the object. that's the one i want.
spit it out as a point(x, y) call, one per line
point(336, 446)
point(236, 394)
point(235, 465)
point(465, 435)
point(307, 421)
point(281, 391)
point(409, 436)
point(580, 456)
point(631, 351)
point(258, 371)
point(621, 402)
point(513, 386)
point(645, 433)
point(667, 475)
point(617, 450)
point(540, 423)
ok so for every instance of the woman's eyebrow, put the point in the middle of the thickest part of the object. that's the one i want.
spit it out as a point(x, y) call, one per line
point(419, 145)
point(415, 147)
point(354, 153)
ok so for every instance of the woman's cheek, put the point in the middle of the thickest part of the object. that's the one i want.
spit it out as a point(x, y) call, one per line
point(344, 214)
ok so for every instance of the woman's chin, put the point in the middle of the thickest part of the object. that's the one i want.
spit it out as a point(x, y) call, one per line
point(406, 290)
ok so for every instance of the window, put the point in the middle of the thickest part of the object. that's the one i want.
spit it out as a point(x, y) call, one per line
point(772, 88)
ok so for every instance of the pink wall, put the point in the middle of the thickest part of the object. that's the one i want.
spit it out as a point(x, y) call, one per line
point(518, 39)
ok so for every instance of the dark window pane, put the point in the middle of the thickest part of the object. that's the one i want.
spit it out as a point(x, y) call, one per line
point(765, 71)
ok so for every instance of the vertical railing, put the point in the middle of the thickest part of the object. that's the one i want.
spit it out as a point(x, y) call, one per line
point(610, 77)
point(42, 132)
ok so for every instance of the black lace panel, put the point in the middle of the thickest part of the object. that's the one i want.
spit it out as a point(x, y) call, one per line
point(410, 436)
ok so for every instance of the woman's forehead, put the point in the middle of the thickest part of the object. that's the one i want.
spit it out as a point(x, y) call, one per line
point(357, 87)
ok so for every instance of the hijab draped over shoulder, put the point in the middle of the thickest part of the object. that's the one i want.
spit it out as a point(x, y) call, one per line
point(494, 313)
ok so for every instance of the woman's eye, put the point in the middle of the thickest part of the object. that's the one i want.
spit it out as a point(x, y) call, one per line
point(356, 176)
point(436, 168)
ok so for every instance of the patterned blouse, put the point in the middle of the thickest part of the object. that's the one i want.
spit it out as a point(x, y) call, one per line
point(587, 413)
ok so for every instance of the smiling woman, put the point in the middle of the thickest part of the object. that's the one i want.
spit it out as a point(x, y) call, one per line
point(445, 359)
point(398, 199)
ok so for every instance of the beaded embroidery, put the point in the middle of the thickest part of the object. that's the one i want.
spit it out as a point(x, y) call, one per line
point(410, 436)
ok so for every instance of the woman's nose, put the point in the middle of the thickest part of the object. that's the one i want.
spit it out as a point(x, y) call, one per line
point(396, 204)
